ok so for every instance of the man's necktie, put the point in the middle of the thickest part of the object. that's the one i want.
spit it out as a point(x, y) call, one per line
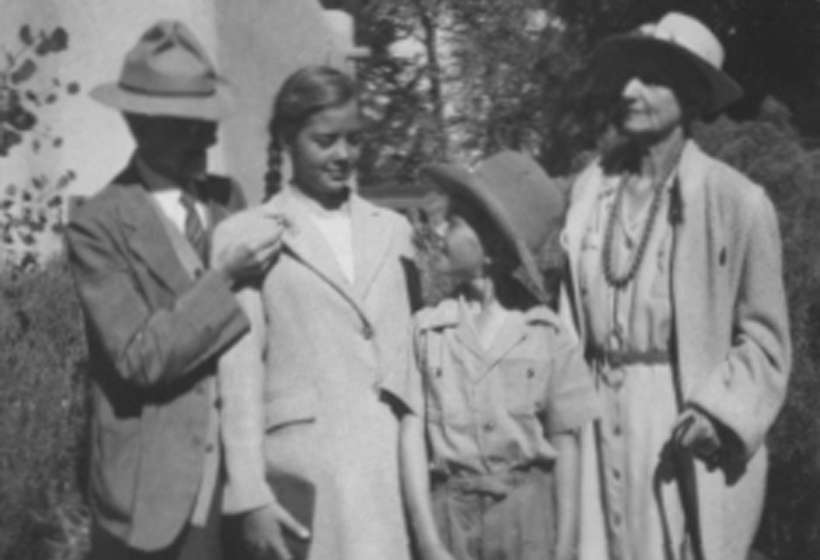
point(194, 228)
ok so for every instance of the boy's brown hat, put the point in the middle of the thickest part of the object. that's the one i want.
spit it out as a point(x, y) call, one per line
point(523, 201)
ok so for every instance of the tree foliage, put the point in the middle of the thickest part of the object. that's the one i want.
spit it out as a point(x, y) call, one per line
point(488, 75)
point(771, 47)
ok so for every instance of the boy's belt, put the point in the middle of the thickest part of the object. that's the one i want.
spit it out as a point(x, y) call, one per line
point(497, 485)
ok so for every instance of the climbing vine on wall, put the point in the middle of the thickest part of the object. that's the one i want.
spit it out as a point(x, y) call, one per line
point(31, 209)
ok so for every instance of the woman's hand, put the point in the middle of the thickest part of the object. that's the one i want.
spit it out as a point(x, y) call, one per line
point(262, 531)
point(695, 432)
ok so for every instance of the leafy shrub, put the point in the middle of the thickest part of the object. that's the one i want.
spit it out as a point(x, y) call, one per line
point(42, 416)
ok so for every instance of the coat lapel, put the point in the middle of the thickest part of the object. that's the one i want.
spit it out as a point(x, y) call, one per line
point(688, 276)
point(508, 337)
point(147, 237)
point(371, 240)
point(188, 257)
point(465, 334)
point(306, 245)
point(307, 242)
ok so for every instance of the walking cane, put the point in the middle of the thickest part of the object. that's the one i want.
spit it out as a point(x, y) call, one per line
point(684, 468)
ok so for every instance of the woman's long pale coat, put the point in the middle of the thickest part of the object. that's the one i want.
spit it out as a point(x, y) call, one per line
point(732, 336)
point(301, 393)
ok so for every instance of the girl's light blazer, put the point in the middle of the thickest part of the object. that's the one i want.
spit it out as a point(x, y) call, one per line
point(307, 319)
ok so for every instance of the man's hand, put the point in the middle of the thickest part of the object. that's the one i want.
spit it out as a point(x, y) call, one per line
point(697, 433)
point(262, 531)
point(244, 245)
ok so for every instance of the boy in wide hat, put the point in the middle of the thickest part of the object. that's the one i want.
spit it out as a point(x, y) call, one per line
point(156, 288)
point(497, 389)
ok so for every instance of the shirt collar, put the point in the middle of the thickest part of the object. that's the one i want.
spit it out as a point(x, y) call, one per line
point(311, 206)
point(448, 314)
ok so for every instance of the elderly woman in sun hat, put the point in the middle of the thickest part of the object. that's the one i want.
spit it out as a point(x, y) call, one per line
point(675, 287)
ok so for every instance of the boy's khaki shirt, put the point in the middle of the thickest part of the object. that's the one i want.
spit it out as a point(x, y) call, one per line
point(492, 410)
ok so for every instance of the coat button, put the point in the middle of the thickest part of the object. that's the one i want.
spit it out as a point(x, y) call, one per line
point(489, 426)
point(209, 448)
point(530, 373)
point(367, 331)
point(437, 372)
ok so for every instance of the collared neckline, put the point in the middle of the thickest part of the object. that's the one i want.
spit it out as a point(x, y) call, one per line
point(314, 207)
point(448, 314)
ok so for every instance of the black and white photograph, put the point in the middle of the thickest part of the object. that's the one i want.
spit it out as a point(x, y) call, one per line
point(409, 280)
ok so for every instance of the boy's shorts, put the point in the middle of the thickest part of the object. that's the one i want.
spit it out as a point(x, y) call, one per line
point(506, 516)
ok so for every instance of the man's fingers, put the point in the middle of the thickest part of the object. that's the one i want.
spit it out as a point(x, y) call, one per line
point(287, 521)
point(268, 241)
point(264, 256)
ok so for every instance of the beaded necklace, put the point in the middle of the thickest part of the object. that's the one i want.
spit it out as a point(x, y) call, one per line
point(620, 281)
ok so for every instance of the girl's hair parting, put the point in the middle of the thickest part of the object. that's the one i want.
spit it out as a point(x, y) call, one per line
point(303, 94)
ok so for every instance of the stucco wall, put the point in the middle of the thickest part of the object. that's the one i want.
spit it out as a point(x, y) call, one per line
point(260, 43)
point(255, 42)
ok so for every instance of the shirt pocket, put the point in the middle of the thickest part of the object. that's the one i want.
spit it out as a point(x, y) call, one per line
point(524, 384)
point(445, 386)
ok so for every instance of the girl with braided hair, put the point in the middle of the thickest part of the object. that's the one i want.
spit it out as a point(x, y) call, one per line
point(301, 391)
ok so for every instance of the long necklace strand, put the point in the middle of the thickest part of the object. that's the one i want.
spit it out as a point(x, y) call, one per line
point(620, 281)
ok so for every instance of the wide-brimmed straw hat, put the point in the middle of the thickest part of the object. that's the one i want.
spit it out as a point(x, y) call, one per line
point(676, 41)
point(168, 73)
point(524, 203)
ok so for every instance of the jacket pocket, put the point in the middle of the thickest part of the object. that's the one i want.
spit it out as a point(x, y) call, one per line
point(524, 385)
point(290, 408)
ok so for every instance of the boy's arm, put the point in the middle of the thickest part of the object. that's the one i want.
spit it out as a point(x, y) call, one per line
point(567, 488)
point(407, 387)
point(415, 475)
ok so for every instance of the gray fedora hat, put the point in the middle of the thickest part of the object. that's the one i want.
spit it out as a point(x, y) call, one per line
point(168, 73)
point(525, 204)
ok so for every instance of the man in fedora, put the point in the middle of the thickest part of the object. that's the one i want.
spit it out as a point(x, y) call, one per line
point(156, 288)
